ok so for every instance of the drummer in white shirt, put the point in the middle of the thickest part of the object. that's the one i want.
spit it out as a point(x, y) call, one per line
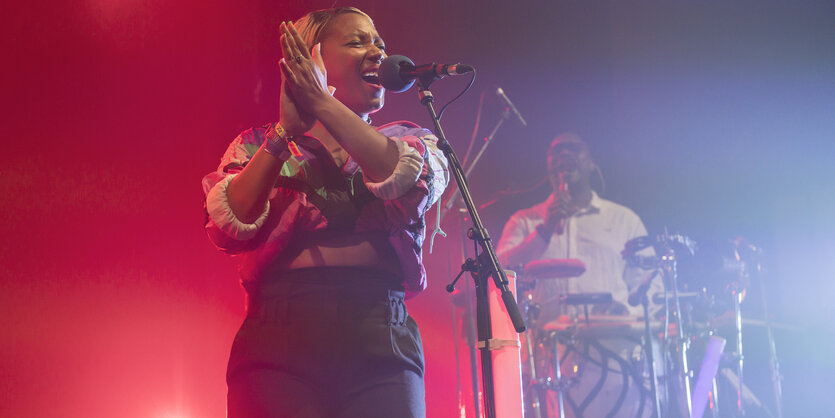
point(575, 223)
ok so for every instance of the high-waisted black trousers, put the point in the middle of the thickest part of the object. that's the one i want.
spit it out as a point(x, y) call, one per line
point(326, 342)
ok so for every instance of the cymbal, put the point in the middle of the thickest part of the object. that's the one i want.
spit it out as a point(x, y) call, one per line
point(553, 269)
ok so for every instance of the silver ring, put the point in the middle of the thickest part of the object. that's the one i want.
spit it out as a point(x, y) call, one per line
point(298, 59)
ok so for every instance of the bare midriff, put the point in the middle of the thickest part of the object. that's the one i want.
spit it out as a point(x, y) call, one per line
point(373, 251)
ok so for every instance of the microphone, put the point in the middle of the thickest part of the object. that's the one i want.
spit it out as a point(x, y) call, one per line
point(641, 291)
point(563, 188)
point(397, 73)
point(500, 93)
point(563, 184)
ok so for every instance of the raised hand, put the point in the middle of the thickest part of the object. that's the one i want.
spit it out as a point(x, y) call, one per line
point(305, 77)
point(559, 208)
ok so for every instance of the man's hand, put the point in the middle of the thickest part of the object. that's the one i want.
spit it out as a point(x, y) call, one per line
point(559, 208)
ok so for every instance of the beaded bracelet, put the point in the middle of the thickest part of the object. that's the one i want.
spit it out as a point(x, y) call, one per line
point(277, 141)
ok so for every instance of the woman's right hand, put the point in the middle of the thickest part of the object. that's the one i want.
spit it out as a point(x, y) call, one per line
point(304, 78)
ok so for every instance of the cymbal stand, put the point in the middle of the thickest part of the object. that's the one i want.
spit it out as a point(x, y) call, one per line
point(737, 287)
point(651, 358)
point(558, 377)
point(669, 264)
point(740, 387)
point(558, 383)
point(774, 362)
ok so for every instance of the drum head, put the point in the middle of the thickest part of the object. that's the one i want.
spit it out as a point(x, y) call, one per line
point(554, 269)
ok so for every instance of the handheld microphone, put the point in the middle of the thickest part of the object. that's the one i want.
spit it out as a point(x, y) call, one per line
point(500, 93)
point(397, 73)
point(563, 187)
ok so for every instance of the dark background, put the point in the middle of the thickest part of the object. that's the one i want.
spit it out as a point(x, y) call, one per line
point(712, 119)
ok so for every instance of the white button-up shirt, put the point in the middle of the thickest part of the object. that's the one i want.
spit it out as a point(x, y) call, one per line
point(595, 235)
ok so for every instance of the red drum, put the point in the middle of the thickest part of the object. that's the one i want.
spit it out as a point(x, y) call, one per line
point(554, 269)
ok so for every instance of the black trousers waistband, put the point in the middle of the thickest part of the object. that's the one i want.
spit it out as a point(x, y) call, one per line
point(345, 288)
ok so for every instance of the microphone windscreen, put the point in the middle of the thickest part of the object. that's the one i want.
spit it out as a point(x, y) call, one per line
point(389, 74)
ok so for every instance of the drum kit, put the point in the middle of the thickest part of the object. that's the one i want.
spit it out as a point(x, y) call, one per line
point(662, 364)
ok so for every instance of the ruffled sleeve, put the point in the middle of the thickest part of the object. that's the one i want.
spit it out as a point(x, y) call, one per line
point(419, 158)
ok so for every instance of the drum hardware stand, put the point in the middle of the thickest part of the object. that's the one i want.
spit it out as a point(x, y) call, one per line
point(737, 289)
point(656, 401)
point(482, 266)
point(668, 262)
point(641, 292)
point(773, 363)
point(558, 383)
point(531, 311)
point(737, 296)
point(536, 384)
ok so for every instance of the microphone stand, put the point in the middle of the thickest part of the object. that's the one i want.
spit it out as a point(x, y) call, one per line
point(482, 266)
point(470, 326)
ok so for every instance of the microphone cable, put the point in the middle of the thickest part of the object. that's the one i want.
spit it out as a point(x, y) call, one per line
point(443, 108)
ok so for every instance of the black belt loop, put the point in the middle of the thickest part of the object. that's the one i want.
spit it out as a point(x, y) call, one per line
point(396, 312)
point(389, 319)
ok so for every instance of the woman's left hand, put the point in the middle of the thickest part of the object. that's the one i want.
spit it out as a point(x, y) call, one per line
point(304, 72)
